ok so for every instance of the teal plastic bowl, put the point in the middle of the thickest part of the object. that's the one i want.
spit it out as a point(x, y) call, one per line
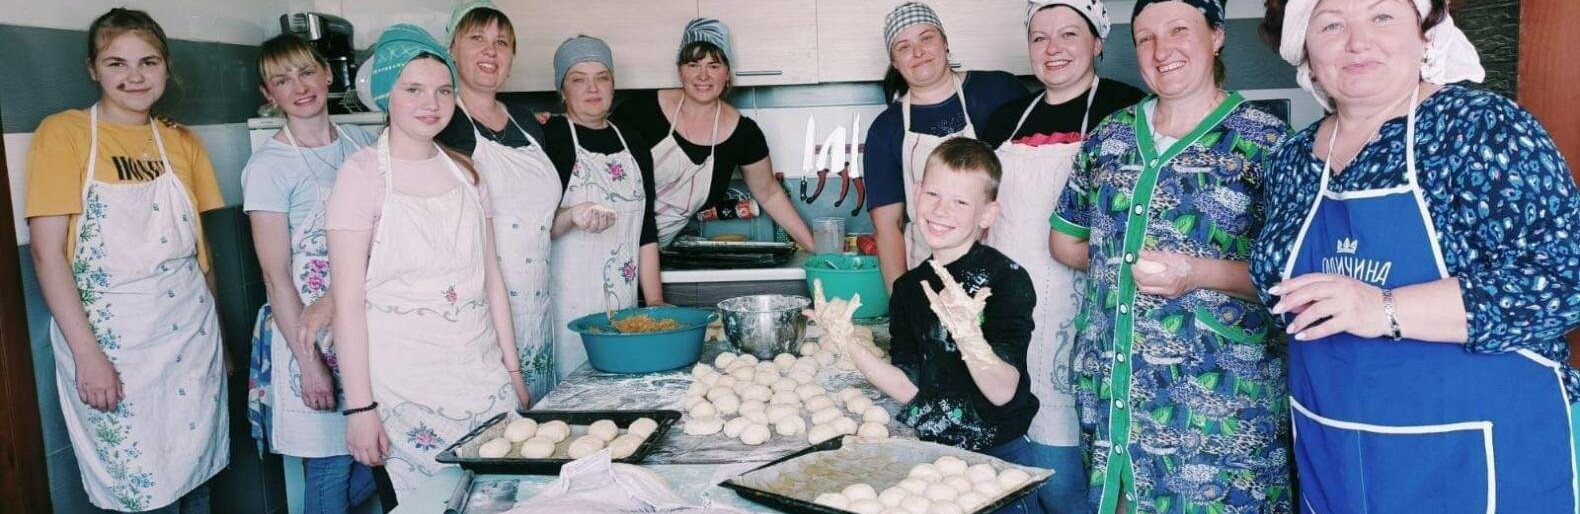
point(647, 352)
point(844, 276)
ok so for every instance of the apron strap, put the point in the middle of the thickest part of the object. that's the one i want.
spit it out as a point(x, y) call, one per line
point(285, 128)
point(1091, 93)
point(905, 109)
point(478, 135)
point(713, 140)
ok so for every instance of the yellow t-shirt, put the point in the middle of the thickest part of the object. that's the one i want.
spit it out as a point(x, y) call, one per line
point(57, 166)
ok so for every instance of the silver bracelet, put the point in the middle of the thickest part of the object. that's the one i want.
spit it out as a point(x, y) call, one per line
point(1393, 315)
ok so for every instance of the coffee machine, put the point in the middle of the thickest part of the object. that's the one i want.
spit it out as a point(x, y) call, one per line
point(332, 36)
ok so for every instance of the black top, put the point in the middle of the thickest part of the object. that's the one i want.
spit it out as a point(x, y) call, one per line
point(643, 113)
point(562, 151)
point(458, 134)
point(949, 408)
point(1046, 120)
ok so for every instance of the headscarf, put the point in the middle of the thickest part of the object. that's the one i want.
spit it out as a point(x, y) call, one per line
point(578, 50)
point(460, 11)
point(1212, 9)
point(707, 30)
point(1093, 10)
point(1449, 55)
point(397, 46)
point(905, 15)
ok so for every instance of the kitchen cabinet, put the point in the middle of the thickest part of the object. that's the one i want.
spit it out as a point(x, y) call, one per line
point(983, 35)
point(643, 35)
point(775, 43)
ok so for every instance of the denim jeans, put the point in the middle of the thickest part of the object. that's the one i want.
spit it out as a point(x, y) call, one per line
point(194, 502)
point(1019, 451)
point(335, 485)
point(1065, 493)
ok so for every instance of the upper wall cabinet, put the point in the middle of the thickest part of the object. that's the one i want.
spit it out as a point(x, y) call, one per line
point(643, 35)
point(983, 35)
point(774, 42)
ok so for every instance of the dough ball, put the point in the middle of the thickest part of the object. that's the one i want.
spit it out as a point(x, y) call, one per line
point(846, 425)
point(804, 376)
point(757, 392)
point(747, 359)
point(945, 508)
point(916, 504)
point(779, 412)
point(981, 473)
point(494, 448)
point(860, 492)
point(716, 391)
point(847, 393)
point(817, 403)
point(537, 448)
point(554, 430)
point(806, 391)
point(767, 379)
point(808, 348)
point(989, 489)
point(734, 426)
point(585, 445)
point(941, 492)
point(704, 426)
point(784, 398)
point(708, 380)
point(846, 364)
point(1013, 478)
point(751, 405)
point(825, 416)
point(642, 427)
point(724, 360)
point(960, 483)
point(792, 425)
point(834, 500)
point(913, 485)
point(625, 446)
point(858, 405)
point(521, 430)
point(805, 364)
point(699, 387)
point(727, 405)
point(892, 496)
point(766, 367)
point(926, 471)
point(758, 417)
point(820, 433)
point(702, 368)
point(866, 506)
point(873, 430)
point(878, 414)
point(784, 361)
point(785, 384)
point(824, 358)
point(744, 374)
point(892, 510)
point(950, 465)
point(970, 501)
point(704, 410)
point(604, 429)
point(755, 434)
point(690, 400)
point(724, 381)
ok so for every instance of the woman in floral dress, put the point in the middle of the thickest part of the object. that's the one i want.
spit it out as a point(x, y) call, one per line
point(1180, 383)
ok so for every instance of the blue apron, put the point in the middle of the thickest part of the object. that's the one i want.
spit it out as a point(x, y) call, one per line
point(1383, 426)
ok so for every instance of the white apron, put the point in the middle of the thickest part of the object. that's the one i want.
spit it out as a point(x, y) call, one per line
point(294, 428)
point(1028, 194)
point(917, 146)
point(682, 187)
point(525, 190)
point(147, 303)
point(597, 271)
point(433, 354)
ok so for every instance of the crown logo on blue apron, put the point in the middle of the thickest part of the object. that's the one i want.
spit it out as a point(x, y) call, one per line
point(1348, 245)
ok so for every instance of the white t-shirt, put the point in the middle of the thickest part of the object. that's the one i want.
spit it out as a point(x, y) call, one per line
point(1160, 142)
point(276, 178)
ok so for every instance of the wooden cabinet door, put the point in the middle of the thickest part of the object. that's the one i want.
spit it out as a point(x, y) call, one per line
point(774, 43)
point(983, 35)
point(643, 34)
point(850, 40)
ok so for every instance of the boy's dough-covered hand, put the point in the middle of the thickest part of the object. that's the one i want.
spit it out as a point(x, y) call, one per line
point(961, 315)
point(833, 316)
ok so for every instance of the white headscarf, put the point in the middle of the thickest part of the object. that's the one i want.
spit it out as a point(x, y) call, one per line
point(1093, 10)
point(1449, 55)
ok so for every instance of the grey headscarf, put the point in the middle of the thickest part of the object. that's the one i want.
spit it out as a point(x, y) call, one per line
point(578, 50)
point(708, 30)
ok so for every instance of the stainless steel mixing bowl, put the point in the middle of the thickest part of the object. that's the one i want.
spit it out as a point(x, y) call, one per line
point(765, 325)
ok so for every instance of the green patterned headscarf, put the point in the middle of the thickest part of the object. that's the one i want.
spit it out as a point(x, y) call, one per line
point(397, 46)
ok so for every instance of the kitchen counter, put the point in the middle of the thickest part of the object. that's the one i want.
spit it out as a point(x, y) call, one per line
point(788, 271)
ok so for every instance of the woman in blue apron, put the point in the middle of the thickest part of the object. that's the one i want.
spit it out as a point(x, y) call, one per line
point(1420, 256)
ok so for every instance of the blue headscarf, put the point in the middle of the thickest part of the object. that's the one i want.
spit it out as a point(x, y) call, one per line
point(397, 46)
point(1212, 9)
point(460, 11)
point(708, 30)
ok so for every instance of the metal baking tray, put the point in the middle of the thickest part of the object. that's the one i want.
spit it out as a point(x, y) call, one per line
point(699, 245)
point(463, 452)
point(780, 485)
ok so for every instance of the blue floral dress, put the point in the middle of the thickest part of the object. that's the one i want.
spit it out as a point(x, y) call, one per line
point(1182, 401)
point(1501, 198)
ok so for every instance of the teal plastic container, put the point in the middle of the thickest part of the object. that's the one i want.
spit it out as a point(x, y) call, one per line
point(613, 352)
point(845, 276)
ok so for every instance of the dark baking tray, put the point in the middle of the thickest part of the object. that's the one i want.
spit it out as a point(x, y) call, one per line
point(523, 466)
point(795, 506)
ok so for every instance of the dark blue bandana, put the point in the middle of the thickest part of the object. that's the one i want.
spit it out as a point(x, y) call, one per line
point(1212, 9)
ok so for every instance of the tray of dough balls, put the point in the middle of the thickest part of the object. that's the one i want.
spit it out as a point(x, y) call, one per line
point(881, 476)
point(539, 442)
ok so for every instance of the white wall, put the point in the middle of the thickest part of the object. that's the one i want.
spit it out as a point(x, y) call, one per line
point(246, 22)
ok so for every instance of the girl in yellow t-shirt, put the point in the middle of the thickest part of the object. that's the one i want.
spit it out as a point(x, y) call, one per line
point(113, 197)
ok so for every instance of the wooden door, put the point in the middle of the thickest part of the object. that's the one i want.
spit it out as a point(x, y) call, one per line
point(24, 480)
point(1547, 81)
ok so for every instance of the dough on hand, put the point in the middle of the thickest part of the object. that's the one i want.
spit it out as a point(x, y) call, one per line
point(755, 434)
point(878, 414)
point(521, 430)
point(1012, 478)
point(625, 446)
point(784, 361)
point(845, 425)
point(642, 427)
point(981, 473)
point(950, 465)
point(834, 500)
point(604, 429)
point(704, 426)
point(735, 426)
point(585, 445)
point(724, 360)
point(817, 403)
point(792, 425)
point(873, 430)
point(858, 405)
point(555, 431)
point(537, 448)
point(808, 348)
point(825, 416)
point(494, 448)
point(703, 410)
point(820, 433)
